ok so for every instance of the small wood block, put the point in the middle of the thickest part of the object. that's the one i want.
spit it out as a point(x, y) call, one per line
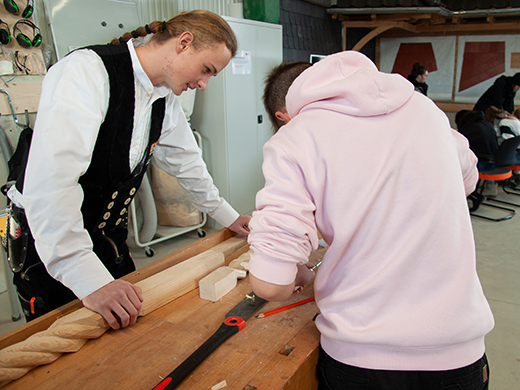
point(219, 283)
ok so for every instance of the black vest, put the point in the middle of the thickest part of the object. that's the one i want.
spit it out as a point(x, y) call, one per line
point(108, 184)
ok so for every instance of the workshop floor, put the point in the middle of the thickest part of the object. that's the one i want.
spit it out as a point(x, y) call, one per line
point(498, 264)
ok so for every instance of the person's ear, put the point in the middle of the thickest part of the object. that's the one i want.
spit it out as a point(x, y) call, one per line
point(184, 41)
point(282, 116)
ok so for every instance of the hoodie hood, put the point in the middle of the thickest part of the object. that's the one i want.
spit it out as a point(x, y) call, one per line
point(349, 83)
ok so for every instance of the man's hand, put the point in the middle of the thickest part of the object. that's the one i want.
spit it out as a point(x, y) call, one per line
point(119, 303)
point(304, 276)
point(241, 225)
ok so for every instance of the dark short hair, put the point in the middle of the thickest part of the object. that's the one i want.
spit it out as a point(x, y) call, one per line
point(516, 79)
point(277, 83)
point(418, 69)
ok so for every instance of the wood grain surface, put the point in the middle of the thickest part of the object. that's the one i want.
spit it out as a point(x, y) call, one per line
point(137, 357)
point(276, 352)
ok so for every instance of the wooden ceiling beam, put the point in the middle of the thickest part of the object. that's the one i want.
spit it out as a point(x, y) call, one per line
point(482, 28)
point(454, 26)
point(399, 17)
point(372, 34)
point(401, 25)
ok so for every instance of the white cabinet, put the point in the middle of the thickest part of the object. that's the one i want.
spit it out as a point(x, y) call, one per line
point(231, 117)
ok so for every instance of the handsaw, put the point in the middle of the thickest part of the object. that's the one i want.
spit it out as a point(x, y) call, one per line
point(235, 321)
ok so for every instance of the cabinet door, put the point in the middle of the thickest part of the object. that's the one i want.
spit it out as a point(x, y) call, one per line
point(241, 124)
point(270, 53)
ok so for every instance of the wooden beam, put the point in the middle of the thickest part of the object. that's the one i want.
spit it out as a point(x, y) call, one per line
point(401, 17)
point(515, 60)
point(401, 25)
point(371, 35)
point(394, 33)
point(378, 53)
point(43, 322)
point(71, 332)
point(437, 19)
point(481, 28)
point(454, 88)
point(454, 107)
point(344, 36)
point(424, 25)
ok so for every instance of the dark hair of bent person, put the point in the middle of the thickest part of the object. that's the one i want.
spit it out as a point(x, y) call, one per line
point(277, 84)
point(208, 29)
point(460, 117)
point(464, 117)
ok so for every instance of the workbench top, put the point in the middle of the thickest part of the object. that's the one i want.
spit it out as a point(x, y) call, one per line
point(279, 351)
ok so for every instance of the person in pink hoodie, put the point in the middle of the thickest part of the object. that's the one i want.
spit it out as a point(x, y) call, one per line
point(375, 168)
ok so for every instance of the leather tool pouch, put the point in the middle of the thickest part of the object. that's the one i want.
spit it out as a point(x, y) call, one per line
point(17, 231)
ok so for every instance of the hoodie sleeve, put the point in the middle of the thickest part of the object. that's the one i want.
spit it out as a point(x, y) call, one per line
point(468, 162)
point(283, 229)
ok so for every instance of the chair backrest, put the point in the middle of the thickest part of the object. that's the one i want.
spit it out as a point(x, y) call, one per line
point(506, 153)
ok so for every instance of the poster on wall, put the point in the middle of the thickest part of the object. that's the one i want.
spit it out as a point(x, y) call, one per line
point(437, 54)
point(481, 59)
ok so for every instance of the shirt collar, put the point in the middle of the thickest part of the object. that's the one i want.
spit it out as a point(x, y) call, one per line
point(139, 72)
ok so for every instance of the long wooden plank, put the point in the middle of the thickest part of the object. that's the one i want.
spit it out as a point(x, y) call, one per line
point(43, 322)
point(71, 332)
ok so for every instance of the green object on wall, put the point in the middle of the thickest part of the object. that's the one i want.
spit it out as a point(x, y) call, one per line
point(262, 10)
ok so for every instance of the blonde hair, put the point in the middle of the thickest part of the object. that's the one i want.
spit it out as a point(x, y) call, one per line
point(208, 29)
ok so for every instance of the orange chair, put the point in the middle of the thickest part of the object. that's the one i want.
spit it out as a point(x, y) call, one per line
point(477, 199)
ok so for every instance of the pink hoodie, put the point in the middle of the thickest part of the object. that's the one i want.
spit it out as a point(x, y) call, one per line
point(376, 168)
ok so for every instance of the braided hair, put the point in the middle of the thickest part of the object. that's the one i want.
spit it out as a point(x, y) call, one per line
point(208, 29)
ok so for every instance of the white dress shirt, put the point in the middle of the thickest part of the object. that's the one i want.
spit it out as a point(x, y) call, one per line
point(73, 105)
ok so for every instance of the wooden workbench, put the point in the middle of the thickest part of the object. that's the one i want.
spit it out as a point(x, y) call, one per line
point(276, 352)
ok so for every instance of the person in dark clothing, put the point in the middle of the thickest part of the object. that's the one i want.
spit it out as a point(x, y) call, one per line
point(481, 135)
point(500, 95)
point(418, 77)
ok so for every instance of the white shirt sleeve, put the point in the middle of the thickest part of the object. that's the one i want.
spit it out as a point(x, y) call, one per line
point(73, 105)
point(178, 154)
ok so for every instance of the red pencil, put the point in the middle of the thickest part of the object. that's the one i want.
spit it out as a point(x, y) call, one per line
point(268, 313)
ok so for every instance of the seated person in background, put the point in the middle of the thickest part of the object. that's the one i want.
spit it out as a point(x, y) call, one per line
point(499, 118)
point(506, 126)
point(501, 94)
point(398, 294)
point(481, 135)
point(418, 78)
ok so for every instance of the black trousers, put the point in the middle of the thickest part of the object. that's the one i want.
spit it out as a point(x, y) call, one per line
point(39, 293)
point(333, 375)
